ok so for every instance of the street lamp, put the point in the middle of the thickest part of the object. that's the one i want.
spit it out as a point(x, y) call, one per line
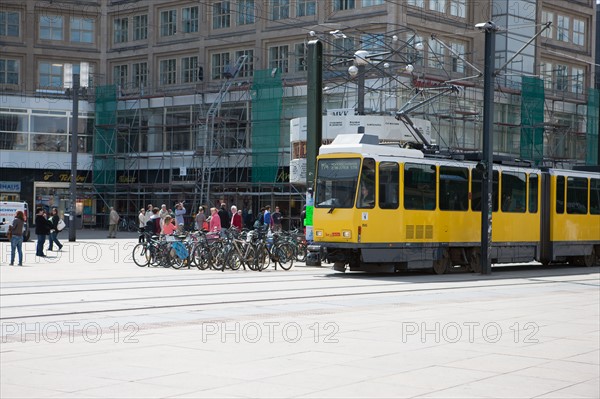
point(75, 76)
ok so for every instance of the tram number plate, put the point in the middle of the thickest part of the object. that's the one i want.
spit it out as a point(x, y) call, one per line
point(365, 216)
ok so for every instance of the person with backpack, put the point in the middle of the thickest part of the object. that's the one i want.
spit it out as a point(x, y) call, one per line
point(54, 220)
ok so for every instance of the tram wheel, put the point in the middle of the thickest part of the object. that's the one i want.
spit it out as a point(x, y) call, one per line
point(589, 260)
point(475, 261)
point(442, 265)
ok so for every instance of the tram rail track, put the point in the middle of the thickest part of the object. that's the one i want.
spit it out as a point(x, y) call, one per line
point(355, 290)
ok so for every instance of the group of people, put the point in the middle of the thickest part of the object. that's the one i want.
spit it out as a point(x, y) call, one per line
point(46, 227)
point(157, 221)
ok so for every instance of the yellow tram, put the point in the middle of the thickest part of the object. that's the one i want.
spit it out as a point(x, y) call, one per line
point(384, 208)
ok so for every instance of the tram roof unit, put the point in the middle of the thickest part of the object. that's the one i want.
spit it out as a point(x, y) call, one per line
point(366, 145)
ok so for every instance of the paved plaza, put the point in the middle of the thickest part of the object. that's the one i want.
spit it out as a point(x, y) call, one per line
point(86, 322)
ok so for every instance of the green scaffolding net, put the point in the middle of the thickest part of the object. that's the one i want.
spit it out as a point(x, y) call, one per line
point(593, 111)
point(267, 92)
point(532, 119)
point(105, 137)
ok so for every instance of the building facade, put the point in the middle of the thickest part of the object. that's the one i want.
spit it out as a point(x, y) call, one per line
point(192, 101)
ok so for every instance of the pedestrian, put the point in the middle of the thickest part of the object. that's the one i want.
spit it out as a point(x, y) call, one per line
point(236, 218)
point(42, 229)
point(141, 224)
point(224, 216)
point(215, 221)
point(163, 213)
point(54, 219)
point(276, 217)
point(201, 220)
point(168, 226)
point(149, 210)
point(16, 240)
point(179, 212)
point(153, 224)
point(113, 222)
point(267, 220)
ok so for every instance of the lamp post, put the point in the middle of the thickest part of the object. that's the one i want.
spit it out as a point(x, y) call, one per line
point(72, 81)
point(488, 146)
point(74, 147)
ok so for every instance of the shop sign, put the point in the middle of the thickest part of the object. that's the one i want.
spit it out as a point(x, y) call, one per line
point(10, 186)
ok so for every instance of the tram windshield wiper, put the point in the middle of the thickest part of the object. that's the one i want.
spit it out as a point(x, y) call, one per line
point(331, 209)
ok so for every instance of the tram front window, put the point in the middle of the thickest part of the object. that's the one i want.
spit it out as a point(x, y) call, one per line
point(336, 182)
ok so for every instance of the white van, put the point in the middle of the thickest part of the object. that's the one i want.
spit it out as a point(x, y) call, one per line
point(7, 214)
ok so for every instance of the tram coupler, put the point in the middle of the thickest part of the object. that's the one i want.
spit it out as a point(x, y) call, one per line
point(313, 255)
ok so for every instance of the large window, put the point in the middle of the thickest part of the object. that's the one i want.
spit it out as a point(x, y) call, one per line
point(437, 5)
point(578, 32)
point(458, 8)
point(120, 30)
point(190, 70)
point(9, 23)
point(278, 58)
point(168, 22)
point(340, 5)
point(245, 12)
point(248, 67)
point(140, 27)
point(139, 75)
point(436, 54)
point(371, 3)
point(562, 78)
point(82, 30)
point(168, 72)
point(305, 8)
point(120, 75)
point(221, 15)
point(548, 16)
point(514, 191)
point(577, 195)
point(562, 28)
point(50, 75)
point(577, 80)
point(389, 188)
point(419, 186)
point(9, 71)
point(458, 64)
point(189, 19)
point(454, 188)
point(51, 27)
point(280, 10)
point(218, 64)
point(300, 57)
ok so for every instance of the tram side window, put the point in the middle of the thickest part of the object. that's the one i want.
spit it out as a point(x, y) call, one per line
point(577, 195)
point(419, 186)
point(533, 193)
point(366, 191)
point(389, 178)
point(476, 182)
point(514, 191)
point(560, 194)
point(454, 188)
point(595, 196)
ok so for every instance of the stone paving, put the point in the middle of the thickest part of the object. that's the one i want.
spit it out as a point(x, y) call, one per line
point(87, 323)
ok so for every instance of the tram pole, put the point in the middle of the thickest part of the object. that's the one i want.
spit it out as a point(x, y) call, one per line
point(488, 146)
point(314, 131)
point(74, 148)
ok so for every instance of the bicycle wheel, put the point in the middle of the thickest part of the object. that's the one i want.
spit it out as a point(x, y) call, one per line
point(263, 258)
point(141, 256)
point(232, 261)
point(201, 257)
point(250, 258)
point(284, 255)
point(217, 257)
point(132, 226)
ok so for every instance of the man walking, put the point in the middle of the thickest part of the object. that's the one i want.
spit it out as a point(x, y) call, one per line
point(42, 229)
point(113, 221)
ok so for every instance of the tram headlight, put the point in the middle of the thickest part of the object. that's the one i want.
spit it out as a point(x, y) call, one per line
point(346, 234)
point(318, 233)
